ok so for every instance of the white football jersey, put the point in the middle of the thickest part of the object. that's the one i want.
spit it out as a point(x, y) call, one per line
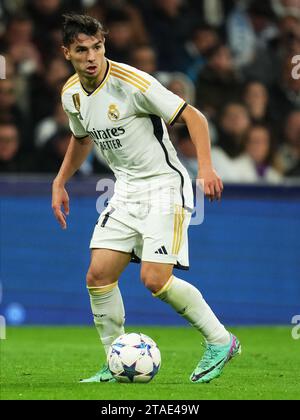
point(125, 117)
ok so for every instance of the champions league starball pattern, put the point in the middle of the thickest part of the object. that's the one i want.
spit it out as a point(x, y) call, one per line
point(134, 357)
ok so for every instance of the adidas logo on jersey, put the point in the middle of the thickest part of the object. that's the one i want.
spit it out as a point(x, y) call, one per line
point(161, 250)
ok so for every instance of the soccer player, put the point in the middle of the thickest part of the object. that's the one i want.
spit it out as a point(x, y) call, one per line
point(123, 112)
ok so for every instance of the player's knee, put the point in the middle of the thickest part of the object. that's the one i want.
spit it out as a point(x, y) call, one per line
point(153, 279)
point(99, 277)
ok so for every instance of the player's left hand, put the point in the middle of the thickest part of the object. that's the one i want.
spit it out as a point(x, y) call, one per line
point(210, 182)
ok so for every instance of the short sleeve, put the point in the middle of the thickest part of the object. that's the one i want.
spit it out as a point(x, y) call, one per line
point(159, 101)
point(76, 126)
point(74, 122)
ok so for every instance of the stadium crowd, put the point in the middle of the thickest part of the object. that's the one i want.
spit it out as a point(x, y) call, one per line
point(232, 59)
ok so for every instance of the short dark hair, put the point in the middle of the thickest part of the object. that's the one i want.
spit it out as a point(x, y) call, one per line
point(75, 24)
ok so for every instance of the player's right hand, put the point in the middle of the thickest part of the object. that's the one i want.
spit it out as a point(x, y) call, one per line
point(60, 199)
point(210, 183)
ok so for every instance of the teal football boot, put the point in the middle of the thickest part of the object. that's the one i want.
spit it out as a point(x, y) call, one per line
point(104, 375)
point(214, 359)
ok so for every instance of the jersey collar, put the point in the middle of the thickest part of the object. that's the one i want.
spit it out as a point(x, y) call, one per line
point(104, 80)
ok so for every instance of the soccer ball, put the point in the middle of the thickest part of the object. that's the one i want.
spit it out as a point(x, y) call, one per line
point(134, 358)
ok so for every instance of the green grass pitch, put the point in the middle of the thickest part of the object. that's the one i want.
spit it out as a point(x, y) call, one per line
point(46, 363)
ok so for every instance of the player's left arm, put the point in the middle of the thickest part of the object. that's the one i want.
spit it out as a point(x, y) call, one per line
point(198, 128)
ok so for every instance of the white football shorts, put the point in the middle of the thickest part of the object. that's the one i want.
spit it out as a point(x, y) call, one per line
point(146, 231)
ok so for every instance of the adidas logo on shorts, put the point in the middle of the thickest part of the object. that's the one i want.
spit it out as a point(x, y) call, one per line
point(161, 250)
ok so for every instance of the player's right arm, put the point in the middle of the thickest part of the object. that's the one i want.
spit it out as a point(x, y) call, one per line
point(76, 154)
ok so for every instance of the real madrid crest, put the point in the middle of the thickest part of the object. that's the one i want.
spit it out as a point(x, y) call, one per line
point(113, 112)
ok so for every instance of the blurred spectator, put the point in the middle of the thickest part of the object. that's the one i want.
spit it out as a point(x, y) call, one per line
point(257, 162)
point(120, 39)
point(47, 15)
point(233, 125)
point(204, 38)
point(218, 83)
point(177, 41)
point(289, 151)
point(188, 156)
point(49, 126)
point(47, 18)
point(20, 86)
point(52, 153)
point(3, 15)
point(182, 86)
point(18, 44)
point(286, 8)
point(54, 46)
point(11, 160)
point(9, 110)
point(50, 84)
point(223, 164)
point(256, 99)
point(143, 57)
point(289, 38)
point(44, 12)
point(251, 31)
point(187, 152)
point(95, 8)
point(294, 172)
point(285, 96)
point(168, 23)
point(213, 11)
point(137, 25)
point(22, 61)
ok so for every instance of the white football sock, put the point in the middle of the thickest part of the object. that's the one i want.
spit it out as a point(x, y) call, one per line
point(189, 303)
point(108, 311)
